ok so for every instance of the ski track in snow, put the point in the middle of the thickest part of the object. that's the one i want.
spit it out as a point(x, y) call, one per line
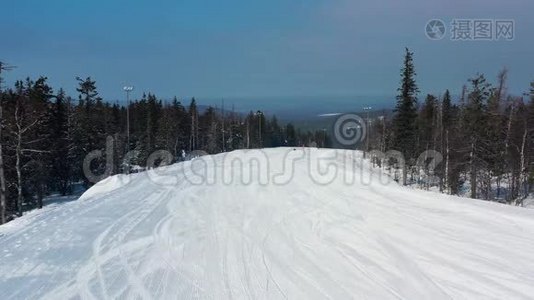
point(248, 241)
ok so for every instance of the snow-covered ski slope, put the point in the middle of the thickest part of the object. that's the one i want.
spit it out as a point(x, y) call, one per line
point(180, 236)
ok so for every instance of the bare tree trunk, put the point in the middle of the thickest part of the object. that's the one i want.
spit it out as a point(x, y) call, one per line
point(404, 174)
point(383, 142)
point(2, 176)
point(447, 162)
point(473, 171)
point(248, 135)
point(498, 183)
point(18, 153)
point(441, 142)
point(19, 119)
point(506, 147)
point(193, 138)
point(522, 175)
point(222, 124)
point(424, 177)
point(19, 177)
point(3, 203)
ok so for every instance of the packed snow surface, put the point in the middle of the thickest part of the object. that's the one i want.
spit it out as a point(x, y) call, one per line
point(279, 227)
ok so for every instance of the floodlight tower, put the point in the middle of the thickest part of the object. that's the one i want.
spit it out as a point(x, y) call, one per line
point(128, 89)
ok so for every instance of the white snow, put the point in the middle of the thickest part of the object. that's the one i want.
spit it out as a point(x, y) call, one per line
point(106, 186)
point(248, 235)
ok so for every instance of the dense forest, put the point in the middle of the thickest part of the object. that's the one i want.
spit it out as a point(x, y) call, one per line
point(484, 139)
point(46, 135)
point(483, 142)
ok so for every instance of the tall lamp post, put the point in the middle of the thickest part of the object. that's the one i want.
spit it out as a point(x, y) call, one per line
point(128, 89)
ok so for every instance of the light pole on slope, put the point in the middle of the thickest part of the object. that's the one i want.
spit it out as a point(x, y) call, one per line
point(128, 89)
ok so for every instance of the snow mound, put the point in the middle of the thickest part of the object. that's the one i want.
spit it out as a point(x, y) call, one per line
point(106, 186)
point(270, 224)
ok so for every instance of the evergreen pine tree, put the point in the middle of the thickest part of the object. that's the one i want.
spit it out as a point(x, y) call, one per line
point(474, 126)
point(59, 140)
point(404, 122)
point(448, 120)
point(193, 115)
point(90, 133)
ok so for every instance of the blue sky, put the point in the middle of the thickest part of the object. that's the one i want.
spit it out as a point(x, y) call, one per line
point(214, 49)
